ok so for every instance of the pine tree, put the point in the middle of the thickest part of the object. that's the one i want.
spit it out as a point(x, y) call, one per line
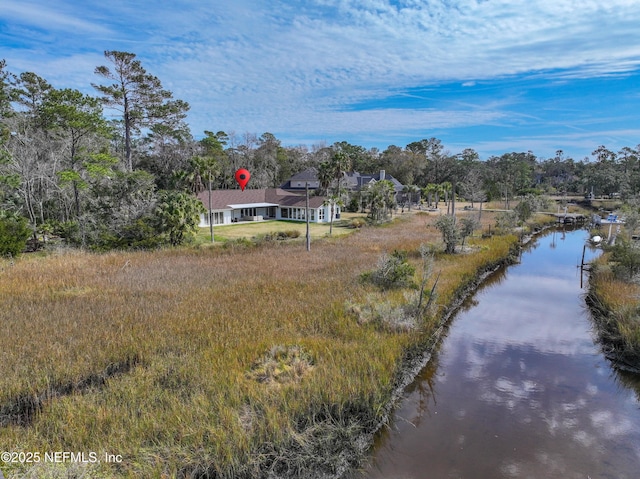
point(138, 96)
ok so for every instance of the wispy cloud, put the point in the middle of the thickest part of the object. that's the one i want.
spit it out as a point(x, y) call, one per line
point(303, 68)
point(47, 17)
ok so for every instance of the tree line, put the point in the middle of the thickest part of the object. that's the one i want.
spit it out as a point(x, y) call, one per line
point(120, 168)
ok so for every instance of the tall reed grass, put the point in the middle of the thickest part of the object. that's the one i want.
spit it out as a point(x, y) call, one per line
point(149, 354)
point(616, 310)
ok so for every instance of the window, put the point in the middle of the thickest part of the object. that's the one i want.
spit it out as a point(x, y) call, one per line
point(321, 213)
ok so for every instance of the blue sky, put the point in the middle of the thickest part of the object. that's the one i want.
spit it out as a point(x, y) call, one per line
point(494, 75)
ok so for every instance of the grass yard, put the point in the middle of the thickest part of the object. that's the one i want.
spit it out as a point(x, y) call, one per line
point(208, 362)
point(253, 229)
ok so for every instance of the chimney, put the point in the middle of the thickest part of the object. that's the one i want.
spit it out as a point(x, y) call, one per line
point(382, 175)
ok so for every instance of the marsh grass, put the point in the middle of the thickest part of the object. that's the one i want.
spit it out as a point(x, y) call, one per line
point(616, 310)
point(175, 338)
point(281, 365)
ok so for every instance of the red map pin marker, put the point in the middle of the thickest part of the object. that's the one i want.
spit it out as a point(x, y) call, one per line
point(242, 177)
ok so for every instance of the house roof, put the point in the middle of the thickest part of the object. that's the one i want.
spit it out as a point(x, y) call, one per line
point(310, 174)
point(251, 205)
point(234, 199)
point(355, 180)
point(359, 181)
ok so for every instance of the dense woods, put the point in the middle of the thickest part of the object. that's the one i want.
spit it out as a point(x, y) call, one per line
point(66, 169)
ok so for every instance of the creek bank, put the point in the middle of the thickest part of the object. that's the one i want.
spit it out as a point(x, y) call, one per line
point(609, 321)
point(518, 376)
point(418, 356)
point(335, 444)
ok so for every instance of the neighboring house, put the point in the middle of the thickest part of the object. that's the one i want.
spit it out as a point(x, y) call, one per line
point(232, 206)
point(299, 180)
point(354, 181)
point(357, 181)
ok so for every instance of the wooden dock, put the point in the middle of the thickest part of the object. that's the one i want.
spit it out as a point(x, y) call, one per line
point(569, 218)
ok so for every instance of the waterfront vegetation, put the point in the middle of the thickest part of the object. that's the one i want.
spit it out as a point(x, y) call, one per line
point(614, 298)
point(215, 362)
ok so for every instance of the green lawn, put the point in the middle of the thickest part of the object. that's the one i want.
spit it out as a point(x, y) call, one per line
point(254, 228)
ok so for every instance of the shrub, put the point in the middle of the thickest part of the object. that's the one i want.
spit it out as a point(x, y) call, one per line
point(69, 231)
point(384, 315)
point(238, 243)
point(357, 223)
point(447, 226)
point(626, 257)
point(14, 233)
point(140, 234)
point(392, 271)
point(524, 210)
point(277, 235)
point(467, 226)
point(178, 215)
point(353, 206)
point(506, 220)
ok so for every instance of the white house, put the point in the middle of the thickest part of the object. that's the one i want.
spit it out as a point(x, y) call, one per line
point(232, 206)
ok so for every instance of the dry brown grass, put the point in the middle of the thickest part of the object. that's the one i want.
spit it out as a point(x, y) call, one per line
point(149, 354)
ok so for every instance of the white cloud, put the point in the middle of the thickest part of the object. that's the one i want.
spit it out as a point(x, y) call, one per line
point(585, 141)
point(41, 15)
point(294, 66)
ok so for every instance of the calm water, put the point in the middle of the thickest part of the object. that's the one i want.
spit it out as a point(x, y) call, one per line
point(518, 388)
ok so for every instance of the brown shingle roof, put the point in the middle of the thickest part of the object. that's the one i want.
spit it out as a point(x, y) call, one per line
point(221, 199)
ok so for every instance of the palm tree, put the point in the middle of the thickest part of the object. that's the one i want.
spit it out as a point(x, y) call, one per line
point(178, 213)
point(435, 190)
point(325, 176)
point(340, 163)
point(332, 171)
point(333, 201)
point(440, 192)
point(389, 196)
point(205, 167)
point(410, 191)
point(381, 199)
point(445, 189)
